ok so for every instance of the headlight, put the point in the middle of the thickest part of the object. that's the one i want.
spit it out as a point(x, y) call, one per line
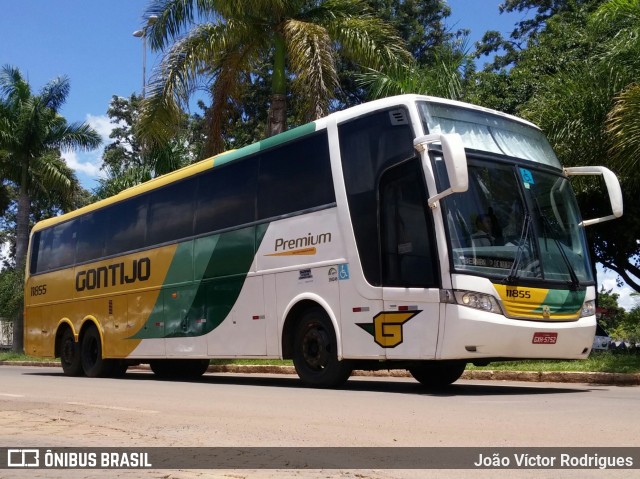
point(481, 301)
point(588, 309)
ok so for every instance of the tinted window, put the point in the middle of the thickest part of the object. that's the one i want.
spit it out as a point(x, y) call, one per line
point(44, 250)
point(35, 248)
point(368, 146)
point(295, 177)
point(227, 196)
point(127, 223)
point(171, 212)
point(408, 251)
point(91, 236)
point(56, 247)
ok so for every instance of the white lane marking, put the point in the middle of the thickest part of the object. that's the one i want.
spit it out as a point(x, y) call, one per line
point(116, 408)
point(12, 395)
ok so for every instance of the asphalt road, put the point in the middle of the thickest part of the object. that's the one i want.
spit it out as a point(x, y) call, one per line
point(39, 407)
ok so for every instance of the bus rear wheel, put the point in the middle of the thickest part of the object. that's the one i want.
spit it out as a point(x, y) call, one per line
point(93, 363)
point(438, 374)
point(70, 354)
point(315, 352)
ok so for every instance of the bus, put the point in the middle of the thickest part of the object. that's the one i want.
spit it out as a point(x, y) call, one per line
point(410, 232)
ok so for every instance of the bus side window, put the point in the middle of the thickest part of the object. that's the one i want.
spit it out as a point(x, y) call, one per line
point(91, 234)
point(226, 196)
point(295, 177)
point(128, 224)
point(171, 212)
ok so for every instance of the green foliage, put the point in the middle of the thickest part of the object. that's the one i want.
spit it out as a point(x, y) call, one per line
point(129, 162)
point(421, 24)
point(11, 292)
point(613, 314)
point(223, 54)
point(32, 133)
point(540, 15)
point(629, 328)
point(443, 77)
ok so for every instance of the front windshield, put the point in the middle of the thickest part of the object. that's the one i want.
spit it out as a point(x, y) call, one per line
point(490, 132)
point(516, 223)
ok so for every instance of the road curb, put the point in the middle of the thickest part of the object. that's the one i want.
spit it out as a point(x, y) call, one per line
point(615, 379)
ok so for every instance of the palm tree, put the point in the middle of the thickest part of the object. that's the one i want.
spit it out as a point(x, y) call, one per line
point(622, 55)
point(443, 77)
point(301, 37)
point(32, 133)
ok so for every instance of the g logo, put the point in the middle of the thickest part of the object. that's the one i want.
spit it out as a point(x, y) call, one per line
point(386, 328)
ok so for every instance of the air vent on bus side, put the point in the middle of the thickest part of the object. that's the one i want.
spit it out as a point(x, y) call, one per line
point(398, 117)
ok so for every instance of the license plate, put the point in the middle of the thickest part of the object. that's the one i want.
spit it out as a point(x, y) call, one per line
point(545, 338)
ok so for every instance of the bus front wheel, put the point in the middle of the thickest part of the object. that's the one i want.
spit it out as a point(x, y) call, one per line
point(93, 363)
point(70, 354)
point(315, 352)
point(438, 374)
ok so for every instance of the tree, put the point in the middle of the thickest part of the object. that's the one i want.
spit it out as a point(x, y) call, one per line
point(509, 52)
point(444, 77)
point(621, 53)
point(420, 23)
point(612, 314)
point(128, 161)
point(32, 133)
point(299, 38)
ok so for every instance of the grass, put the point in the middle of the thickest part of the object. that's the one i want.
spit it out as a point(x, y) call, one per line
point(603, 362)
point(11, 356)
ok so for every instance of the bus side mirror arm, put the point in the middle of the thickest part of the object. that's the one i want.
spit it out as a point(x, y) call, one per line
point(455, 161)
point(613, 188)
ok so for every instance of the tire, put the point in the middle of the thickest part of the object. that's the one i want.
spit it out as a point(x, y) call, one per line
point(70, 354)
point(93, 364)
point(195, 368)
point(438, 374)
point(315, 352)
point(179, 368)
point(162, 368)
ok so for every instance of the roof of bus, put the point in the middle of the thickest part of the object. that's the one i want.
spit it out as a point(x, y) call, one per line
point(284, 137)
point(411, 98)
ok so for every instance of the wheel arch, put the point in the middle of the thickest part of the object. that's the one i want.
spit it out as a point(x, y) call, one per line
point(88, 322)
point(294, 311)
point(63, 325)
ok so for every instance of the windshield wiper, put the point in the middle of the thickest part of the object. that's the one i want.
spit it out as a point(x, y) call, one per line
point(522, 241)
point(548, 227)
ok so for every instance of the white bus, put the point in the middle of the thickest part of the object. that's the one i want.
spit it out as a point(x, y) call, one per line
point(410, 232)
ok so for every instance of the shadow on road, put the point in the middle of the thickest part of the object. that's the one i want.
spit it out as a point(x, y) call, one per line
point(358, 384)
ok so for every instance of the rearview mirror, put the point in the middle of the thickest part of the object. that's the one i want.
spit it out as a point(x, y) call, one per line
point(613, 188)
point(455, 161)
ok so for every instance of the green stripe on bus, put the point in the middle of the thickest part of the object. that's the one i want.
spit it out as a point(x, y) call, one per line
point(221, 264)
point(562, 301)
point(276, 140)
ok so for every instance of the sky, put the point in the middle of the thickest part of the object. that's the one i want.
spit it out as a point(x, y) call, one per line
point(92, 43)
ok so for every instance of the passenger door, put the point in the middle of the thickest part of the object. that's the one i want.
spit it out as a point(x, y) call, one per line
point(408, 327)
